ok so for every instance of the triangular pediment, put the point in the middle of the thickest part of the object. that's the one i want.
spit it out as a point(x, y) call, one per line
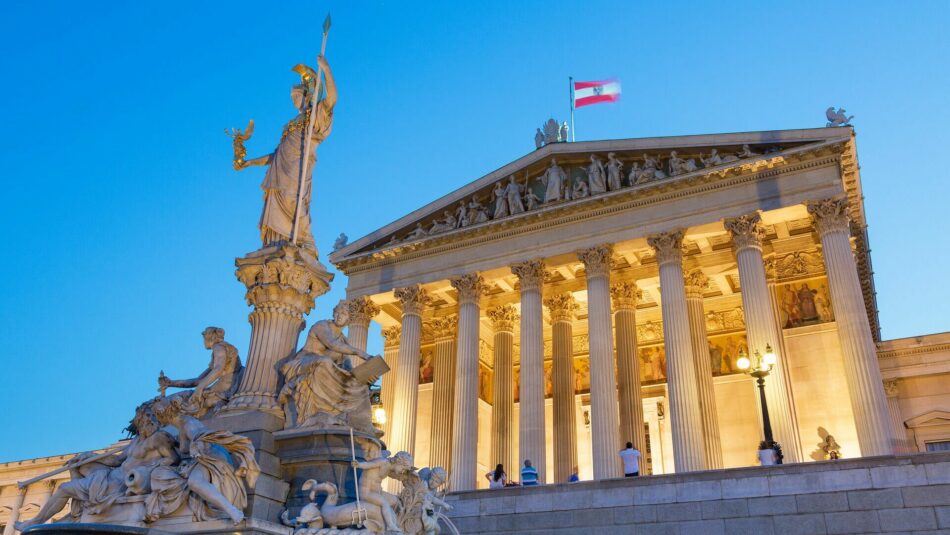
point(671, 159)
point(929, 419)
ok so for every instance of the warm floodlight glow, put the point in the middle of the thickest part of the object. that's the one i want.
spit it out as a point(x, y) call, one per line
point(743, 362)
point(380, 415)
point(769, 358)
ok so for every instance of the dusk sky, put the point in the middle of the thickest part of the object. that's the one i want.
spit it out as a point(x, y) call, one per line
point(123, 215)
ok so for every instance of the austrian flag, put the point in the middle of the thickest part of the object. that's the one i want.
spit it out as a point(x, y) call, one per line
point(595, 92)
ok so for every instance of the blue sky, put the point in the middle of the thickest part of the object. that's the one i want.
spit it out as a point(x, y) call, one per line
point(122, 215)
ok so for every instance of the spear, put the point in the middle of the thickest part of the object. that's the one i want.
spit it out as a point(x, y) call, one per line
point(308, 145)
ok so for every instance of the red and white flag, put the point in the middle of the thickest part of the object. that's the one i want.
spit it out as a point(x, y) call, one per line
point(586, 93)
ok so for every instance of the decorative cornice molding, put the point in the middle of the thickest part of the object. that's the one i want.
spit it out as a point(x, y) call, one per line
point(470, 287)
point(413, 299)
point(563, 307)
point(625, 295)
point(530, 274)
point(362, 309)
point(668, 246)
point(444, 327)
point(794, 265)
point(503, 318)
point(597, 260)
point(697, 283)
point(746, 231)
point(830, 215)
point(912, 351)
point(391, 336)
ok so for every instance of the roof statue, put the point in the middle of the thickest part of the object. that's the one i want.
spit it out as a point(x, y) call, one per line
point(837, 118)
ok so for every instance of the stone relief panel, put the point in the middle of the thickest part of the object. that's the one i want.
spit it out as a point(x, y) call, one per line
point(805, 303)
point(425, 366)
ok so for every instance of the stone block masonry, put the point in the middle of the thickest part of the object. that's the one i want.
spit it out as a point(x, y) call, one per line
point(889, 494)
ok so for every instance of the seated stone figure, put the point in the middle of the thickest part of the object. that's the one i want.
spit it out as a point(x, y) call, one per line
point(215, 385)
point(96, 486)
point(206, 478)
point(319, 386)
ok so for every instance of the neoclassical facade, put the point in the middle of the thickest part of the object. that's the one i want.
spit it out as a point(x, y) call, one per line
point(594, 293)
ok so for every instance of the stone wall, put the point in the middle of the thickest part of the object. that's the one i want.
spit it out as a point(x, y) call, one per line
point(909, 494)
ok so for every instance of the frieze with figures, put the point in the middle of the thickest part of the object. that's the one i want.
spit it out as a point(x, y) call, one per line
point(805, 303)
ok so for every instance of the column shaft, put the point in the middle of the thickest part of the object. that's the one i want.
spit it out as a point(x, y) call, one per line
point(503, 321)
point(531, 394)
point(386, 392)
point(406, 387)
point(562, 308)
point(762, 331)
point(625, 295)
point(854, 331)
point(685, 417)
point(362, 310)
point(696, 283)
point(901, 444)
point(465, 417)
point(605, 419)
point(443, 392)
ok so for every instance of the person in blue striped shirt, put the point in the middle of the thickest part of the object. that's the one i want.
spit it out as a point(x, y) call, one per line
point(529, 474)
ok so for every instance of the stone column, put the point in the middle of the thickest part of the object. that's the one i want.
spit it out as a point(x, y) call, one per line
point(901, 443)
point(465, 419)
point(762, 331)
point(443, 392)
point(863, 375)
point(281, 286)
point(625, 296)
point(605, 420)
point(386, 391)
point(562, 308)
point(503, 320)
point(362, 310)
point(686, 423)
point(696, 284)
point(531, 399)
point(406, 387)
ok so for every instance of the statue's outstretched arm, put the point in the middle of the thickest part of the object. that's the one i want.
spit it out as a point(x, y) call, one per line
point(367, 465)
point(254, 162)
point(185, 383)
point(329, 82)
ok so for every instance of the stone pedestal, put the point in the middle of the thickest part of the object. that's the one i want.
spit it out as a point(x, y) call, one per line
point(685, 418)
point(282, 283)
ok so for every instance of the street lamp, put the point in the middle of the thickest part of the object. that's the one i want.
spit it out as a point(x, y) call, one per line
point(759, 367)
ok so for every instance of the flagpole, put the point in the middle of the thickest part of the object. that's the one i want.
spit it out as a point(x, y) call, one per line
point(570, 83)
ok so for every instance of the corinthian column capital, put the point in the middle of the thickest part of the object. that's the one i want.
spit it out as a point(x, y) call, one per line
point(830, 215)
point(562, 307)
point(530, 273)
point(668, 246)
point(470, 287)
point(625, 295)
point(391, 336)
point(412, 298)
point(746, 231)
point(503, 318)
point(696, 284)
point(597, 260)
point(444, 327)
point(362, 309)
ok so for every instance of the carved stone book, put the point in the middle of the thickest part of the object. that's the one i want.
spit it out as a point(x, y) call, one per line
point(371, 370)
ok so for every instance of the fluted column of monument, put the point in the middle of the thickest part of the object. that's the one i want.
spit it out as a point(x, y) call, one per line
point(862, 372)
point(625, 296)
point(503, 320)
point(443, 392)
point(901, 444)
point(531, 439)
point(465, 419)
point(406, 387)
point(696, 284)
point(686, 423)
point(772, 276)
point(362, 309)
point(282, 287)
point(386, 391)
point(562, 309)
point(762, 331)
point(605, 420)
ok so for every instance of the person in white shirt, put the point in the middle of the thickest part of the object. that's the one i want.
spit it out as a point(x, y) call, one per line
point(631, 461)
point(497, 478)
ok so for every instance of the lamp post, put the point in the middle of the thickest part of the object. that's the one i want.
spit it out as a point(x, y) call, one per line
point(759, 367)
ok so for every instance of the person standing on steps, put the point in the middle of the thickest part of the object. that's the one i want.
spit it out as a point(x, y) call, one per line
point(631, 460)
point(529, 475)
